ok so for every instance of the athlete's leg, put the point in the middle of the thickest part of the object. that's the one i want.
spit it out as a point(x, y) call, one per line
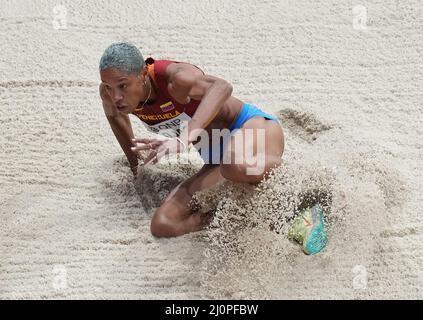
point(256, 159)
point(174, 217)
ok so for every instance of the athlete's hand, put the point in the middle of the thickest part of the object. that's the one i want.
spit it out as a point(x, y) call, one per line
point(159, 148)
point(148, 145)
point(141, 145)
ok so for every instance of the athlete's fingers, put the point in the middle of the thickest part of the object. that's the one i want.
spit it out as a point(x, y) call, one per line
point(153, 160)
point(160, 153)
point(150, 157)
point(157, 143)
point(156, 158)
point(145, 140)
point(163, 150)
point(146, 146)
point(142, 147)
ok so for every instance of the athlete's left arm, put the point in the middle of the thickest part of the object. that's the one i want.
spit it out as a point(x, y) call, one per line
point(214, 92)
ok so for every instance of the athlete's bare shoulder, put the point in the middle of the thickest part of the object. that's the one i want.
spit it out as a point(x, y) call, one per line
point(174, 68)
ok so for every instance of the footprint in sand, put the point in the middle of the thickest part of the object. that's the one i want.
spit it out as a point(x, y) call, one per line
point(304, 125)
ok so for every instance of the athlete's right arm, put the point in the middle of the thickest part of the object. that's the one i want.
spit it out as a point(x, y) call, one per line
point(121, 127)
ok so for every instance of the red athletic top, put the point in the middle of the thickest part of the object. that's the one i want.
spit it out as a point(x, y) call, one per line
point(165, 114)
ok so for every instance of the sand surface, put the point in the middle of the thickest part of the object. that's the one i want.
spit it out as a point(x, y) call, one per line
point(75, 225)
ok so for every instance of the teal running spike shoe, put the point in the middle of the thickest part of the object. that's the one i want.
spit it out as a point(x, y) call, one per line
point(308, 229)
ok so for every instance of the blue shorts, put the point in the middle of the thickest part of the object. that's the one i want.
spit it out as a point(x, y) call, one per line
point(214, 154)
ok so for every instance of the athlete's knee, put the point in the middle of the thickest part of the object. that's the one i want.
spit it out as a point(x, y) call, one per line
point(249, 173)
point(272, 162)
point(162, 226)
point(239, 173)
point(256, 174)
point(230, 171)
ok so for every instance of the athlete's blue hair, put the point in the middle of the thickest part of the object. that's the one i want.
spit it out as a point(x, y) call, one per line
point(122, 56)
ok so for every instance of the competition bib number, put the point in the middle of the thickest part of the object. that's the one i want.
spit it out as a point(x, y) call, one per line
point(170, 128)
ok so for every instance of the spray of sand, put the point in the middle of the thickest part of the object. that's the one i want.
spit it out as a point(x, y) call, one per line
point(247, 253)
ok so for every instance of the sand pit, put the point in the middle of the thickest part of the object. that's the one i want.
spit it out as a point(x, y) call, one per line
point(76, 226)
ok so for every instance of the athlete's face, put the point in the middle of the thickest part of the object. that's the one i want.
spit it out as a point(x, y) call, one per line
point(126, 91)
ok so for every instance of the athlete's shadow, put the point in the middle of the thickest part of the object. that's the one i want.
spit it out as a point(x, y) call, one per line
point(151, 186)
point(155, 182)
